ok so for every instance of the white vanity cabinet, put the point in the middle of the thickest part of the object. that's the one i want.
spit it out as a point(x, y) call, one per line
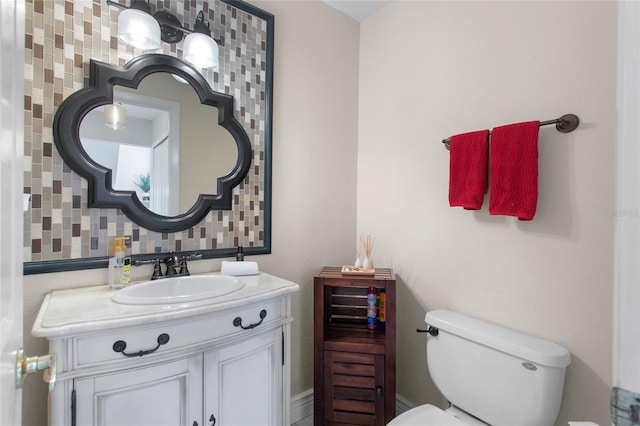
point(164, 394)
point(243, 382)
point(219, 363)
point(204, 389)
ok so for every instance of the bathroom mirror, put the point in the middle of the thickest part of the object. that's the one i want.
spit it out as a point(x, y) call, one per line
point(105, 189)
point(63, 230)
point(142, 143)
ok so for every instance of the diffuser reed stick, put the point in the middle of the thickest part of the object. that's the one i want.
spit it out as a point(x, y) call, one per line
point(356, 245)
point(357, 263)
point(367, 244)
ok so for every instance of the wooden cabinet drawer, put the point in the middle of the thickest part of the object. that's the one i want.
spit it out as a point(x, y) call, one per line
point(98, 349)
point(354, 388)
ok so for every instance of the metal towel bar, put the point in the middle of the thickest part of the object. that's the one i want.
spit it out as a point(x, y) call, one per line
point(565, 124)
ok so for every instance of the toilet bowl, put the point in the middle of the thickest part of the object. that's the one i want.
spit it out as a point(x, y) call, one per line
point(491, 375)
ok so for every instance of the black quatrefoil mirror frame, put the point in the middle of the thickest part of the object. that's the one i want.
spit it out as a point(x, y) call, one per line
point(103, 76)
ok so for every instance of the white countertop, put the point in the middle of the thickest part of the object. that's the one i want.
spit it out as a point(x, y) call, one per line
point(86, 309)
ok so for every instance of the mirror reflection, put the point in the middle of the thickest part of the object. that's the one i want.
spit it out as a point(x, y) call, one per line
point(162, 143)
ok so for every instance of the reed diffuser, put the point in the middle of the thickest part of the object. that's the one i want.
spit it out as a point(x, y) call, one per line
point(358, 261)
point(367, 244)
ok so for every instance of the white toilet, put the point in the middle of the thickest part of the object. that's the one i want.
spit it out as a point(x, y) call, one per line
point(489, 374)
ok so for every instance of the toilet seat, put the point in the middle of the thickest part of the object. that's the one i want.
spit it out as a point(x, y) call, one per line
point(426, 415)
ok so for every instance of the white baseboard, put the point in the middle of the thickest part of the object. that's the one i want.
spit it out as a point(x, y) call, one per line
point(403, 404)
point(302, 405)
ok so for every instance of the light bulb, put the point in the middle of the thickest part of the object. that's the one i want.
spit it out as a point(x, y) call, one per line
point(139, 29)
point(201, 51)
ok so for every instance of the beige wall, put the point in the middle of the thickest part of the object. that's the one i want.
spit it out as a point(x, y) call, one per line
point(429, 70)
point(432, 69)
point(314, 154)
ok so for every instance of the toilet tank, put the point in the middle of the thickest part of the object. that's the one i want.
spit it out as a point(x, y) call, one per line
point(499, 375)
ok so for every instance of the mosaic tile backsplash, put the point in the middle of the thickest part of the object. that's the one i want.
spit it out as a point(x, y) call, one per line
point(61, 36)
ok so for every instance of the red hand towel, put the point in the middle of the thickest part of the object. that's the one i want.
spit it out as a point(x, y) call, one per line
point(514, 170)
point(469, 154)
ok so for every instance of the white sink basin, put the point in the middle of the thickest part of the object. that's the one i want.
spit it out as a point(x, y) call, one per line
point(177, 290)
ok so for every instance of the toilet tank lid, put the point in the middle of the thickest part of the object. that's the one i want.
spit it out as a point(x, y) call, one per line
point(530, 348)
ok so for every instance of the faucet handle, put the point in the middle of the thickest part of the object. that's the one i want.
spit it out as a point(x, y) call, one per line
point(138, 262)
point(157, 271)
point(194, 256)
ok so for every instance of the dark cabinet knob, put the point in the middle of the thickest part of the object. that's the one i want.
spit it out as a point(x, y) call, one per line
point(379, 392)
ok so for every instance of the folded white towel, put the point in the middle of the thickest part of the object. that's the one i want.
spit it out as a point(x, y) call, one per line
point(239, 268)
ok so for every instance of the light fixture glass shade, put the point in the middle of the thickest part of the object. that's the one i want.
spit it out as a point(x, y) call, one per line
point(139, 29)
point(200, 50)
point(115, 116)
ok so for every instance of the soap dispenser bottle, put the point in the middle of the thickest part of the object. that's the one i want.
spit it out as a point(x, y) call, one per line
point(119, 265)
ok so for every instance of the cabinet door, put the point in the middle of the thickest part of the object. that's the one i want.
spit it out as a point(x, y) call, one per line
point(243, 382)
point(164, 394)
point(354, 388)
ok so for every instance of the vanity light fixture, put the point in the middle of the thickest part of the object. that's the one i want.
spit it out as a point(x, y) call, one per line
point(199, 48)
point(137, 27)
point(115, 116)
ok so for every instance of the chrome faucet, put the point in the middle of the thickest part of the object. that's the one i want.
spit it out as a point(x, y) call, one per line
point(176, 266)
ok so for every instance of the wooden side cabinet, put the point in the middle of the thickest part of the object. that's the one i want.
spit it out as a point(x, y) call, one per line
point(354, 366)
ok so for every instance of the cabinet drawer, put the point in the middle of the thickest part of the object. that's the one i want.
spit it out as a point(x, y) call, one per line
point(145, 342)
point(354, 388)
